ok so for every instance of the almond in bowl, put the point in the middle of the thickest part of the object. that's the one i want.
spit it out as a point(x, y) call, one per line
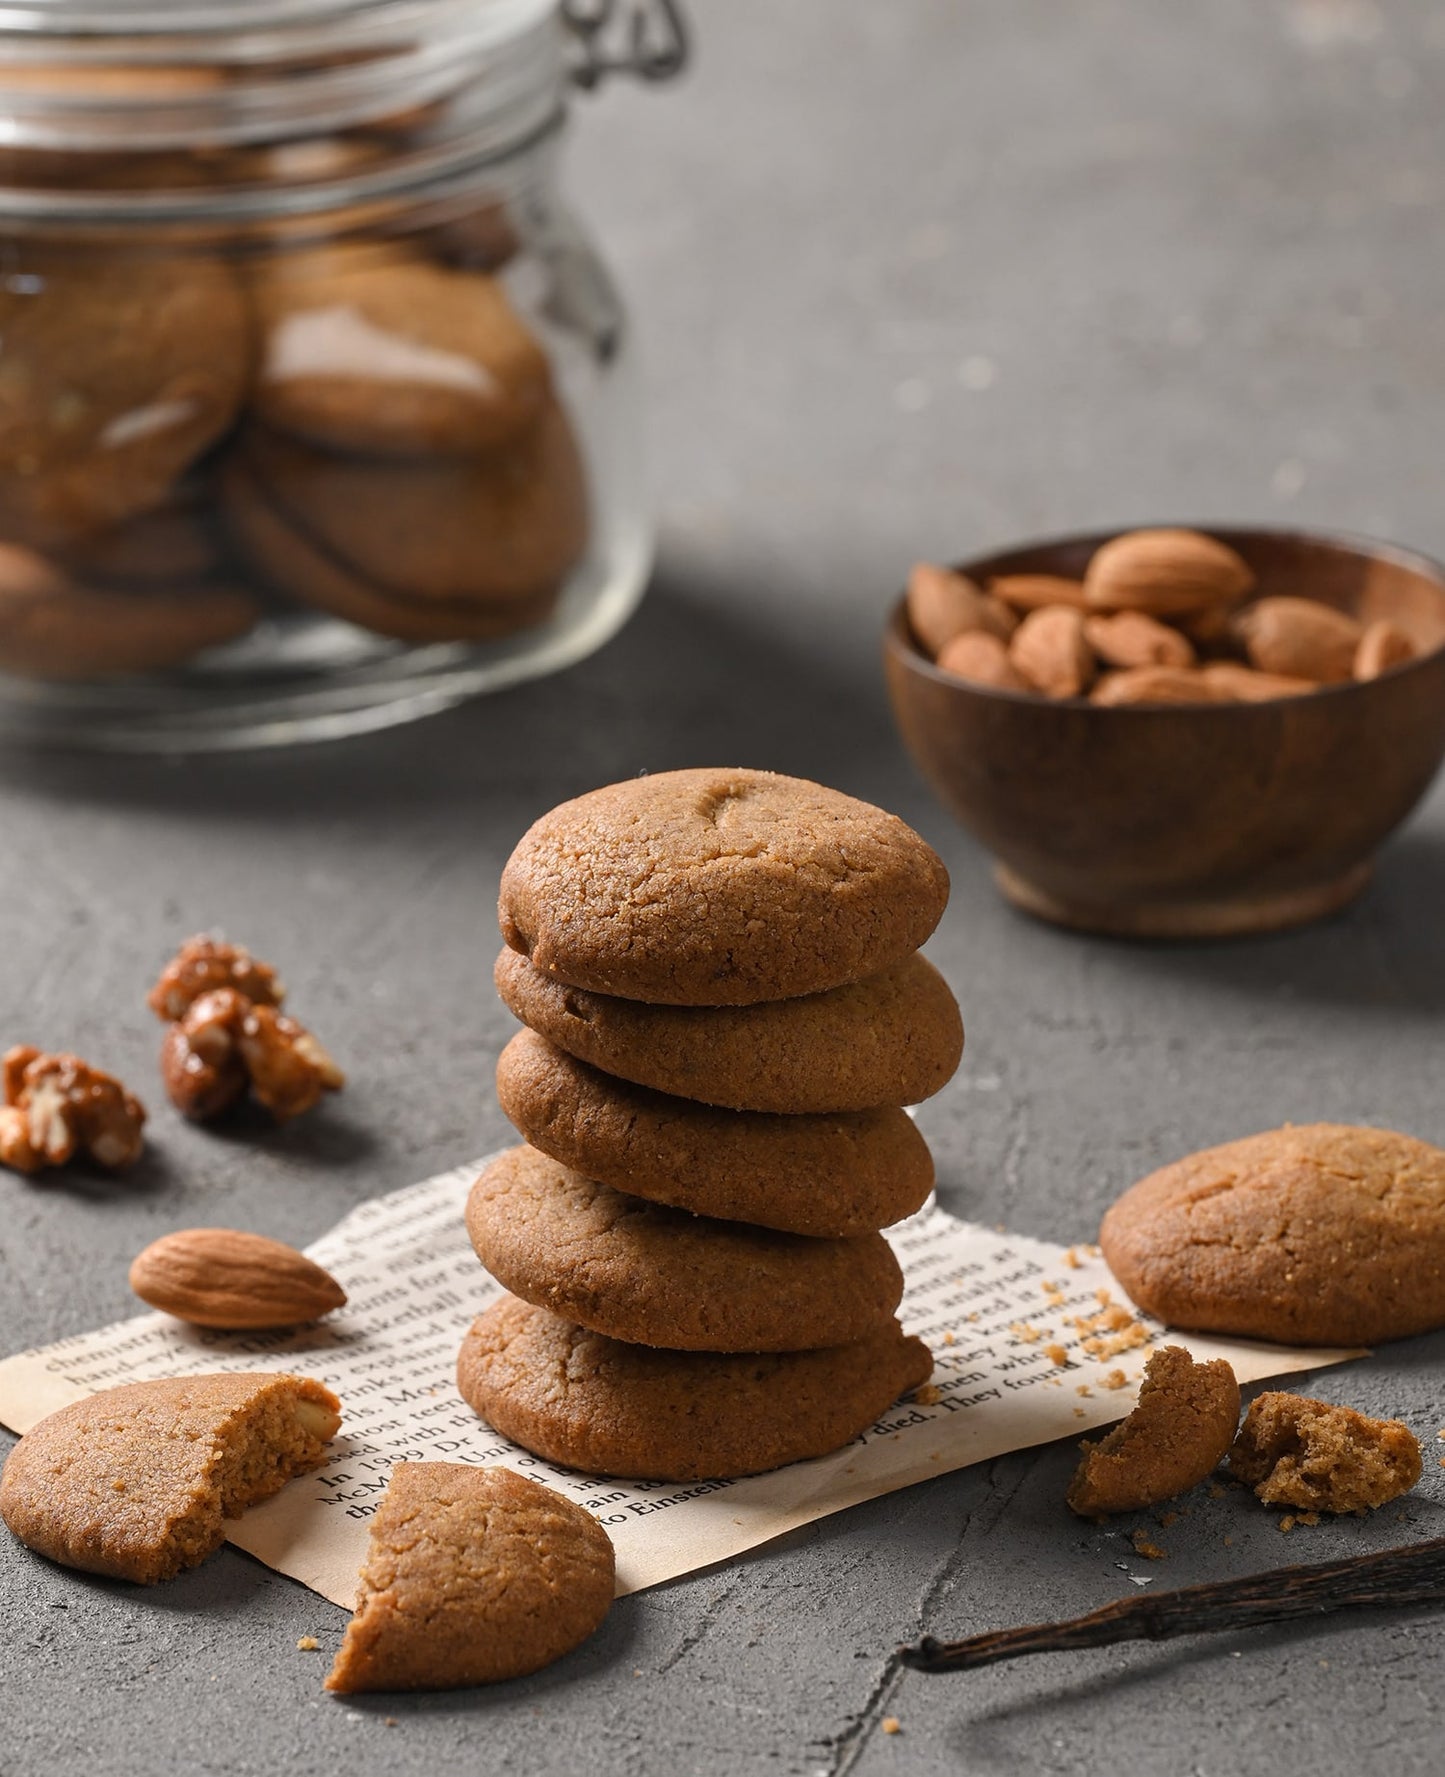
point(1185, 734)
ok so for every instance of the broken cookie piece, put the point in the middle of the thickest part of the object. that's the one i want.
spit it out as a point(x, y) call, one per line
point(1318, 1457)
point(137, 1482)
point(471, 1576)
point(1180, 1429)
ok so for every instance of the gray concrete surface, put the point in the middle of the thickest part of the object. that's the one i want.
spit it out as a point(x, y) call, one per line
point(915, 279)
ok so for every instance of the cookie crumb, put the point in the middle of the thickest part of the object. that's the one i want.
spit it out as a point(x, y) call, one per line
point(928, 1395)
point(1217, 1490)
point(1072, 1260)
point(1079, 1413)
point(1084, 1389)
point(1116, 1379)
point(388, 1721)
point(308, 1644)
point(1145, 1547)
point(1057, 1354)
point(891, 1725)
point(948, 1339)
point(1168, 1518)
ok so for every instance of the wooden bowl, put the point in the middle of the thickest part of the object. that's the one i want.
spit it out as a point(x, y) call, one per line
point(1190, 820)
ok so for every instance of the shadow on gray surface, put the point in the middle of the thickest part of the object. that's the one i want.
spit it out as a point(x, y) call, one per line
point(697, 677)
point(324, 1136)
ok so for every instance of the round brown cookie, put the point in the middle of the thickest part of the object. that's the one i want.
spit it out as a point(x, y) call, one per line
point(894, 1038)
point(589, 1402)
point(91, 434)
point(1178, 1433)
point(137, 1481)
point(373, 350)
point(1321, 1235)
point(495, 528)
point(657, 1276)
point(850, 1172)
point(718, 888)
point(171, 546)
point(471, 1576)
point(294, 564)
point(56, 627)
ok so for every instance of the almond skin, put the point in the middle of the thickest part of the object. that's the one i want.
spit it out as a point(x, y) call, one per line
point(1250, 686)
point(982, 659)
point(217, 1277)
point(1383, 645)
point(942, 605)
point(1031, 592)
point(1300, 638)
point(1049, 650)
point(1132, 638)
point(1165, 573)
point(1157, 684)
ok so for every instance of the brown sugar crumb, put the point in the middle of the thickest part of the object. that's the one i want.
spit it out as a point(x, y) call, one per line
point(891, 1725)
point(1057, 1354)
point(308, 1644)
point(1298, 1452)
point(1181, 1427)
point(1117, 1378)
point(1149, 1550)
point(929, 1395)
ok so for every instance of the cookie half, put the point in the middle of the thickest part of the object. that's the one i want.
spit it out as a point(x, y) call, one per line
point(656, 1276)
point(1322, 1235)
point(589, 1402)
point(848, 1173)
point(894, 1038)
point(471, 1576)
point(136, 1482)
point(718, 888)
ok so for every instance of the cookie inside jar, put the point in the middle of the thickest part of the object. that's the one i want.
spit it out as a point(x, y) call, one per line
point(315, 403)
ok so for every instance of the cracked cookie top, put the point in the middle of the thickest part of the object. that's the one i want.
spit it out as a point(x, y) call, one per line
point(718, 888)
point(1325, 1234)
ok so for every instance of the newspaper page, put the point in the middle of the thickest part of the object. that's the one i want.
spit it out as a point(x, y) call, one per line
point(1031, 1342)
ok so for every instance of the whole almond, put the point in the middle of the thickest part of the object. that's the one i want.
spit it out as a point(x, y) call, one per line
point(982, 659)
point(1300, 638)
point(1165, 572)
point(1130, 638)
point(217, 1277)
point(1031, 592)
point(943, 604)
point(1250, 686)
point(1157, 684)
point(1049, 650)
point(1383, 645)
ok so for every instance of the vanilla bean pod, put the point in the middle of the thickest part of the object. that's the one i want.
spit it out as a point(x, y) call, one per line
point(1411, 1575)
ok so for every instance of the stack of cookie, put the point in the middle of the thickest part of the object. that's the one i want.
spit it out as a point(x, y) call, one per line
point(725, 1015)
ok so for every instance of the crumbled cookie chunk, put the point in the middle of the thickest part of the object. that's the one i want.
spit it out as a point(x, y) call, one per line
point(1181, 1428)
point(1321, 1458)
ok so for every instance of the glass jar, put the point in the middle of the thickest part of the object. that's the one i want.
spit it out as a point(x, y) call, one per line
point(317, 407)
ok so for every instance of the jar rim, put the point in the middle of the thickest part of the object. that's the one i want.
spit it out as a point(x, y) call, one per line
point(226, 20)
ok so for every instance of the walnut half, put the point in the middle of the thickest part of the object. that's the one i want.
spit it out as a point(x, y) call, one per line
point(58, 1106)
point(201, 966)
point(224, 1043)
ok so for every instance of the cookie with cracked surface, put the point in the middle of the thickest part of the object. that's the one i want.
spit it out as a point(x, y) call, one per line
point(651, 1275)
point(137, 1482)
point(1325, 1234)
point(1178, 1433)
point(850, 1172)
point(471, 1576)
point(893, 1038)
point(589, 1402)
point(718, 888)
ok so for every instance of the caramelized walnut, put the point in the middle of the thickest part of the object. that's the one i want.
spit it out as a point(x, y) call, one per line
point(57, 1106)
point(202, 965)
point(225, 1043)
point(289, 1069)
point(200, 1061)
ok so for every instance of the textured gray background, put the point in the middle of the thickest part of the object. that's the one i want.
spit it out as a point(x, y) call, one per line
point(914, 279)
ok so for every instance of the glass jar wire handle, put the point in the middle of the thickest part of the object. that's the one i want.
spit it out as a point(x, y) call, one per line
point(648, 38)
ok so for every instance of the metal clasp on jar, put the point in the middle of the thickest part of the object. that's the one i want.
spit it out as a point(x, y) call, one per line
point(648, 38)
